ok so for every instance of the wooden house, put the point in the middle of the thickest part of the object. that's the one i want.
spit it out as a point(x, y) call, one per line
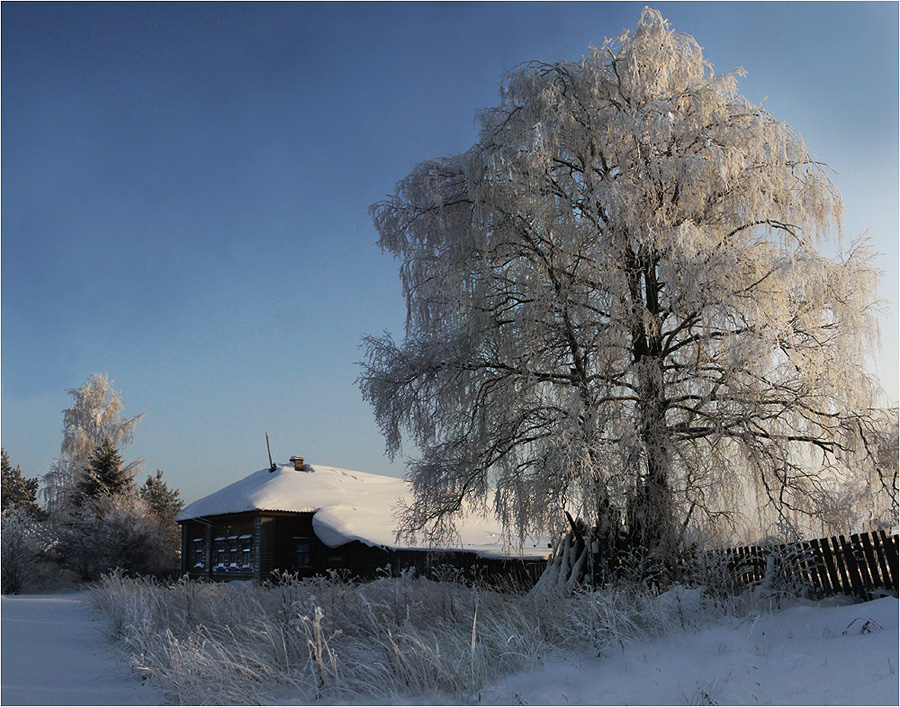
point(308, 519)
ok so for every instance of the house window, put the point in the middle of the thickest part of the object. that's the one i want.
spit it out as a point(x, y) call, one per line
point(246, 551)
point(198, 553)
point(233, 552)
point(303, 552)
point(220, 553)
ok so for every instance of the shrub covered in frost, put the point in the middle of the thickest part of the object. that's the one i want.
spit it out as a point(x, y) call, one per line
point(110, 532)
point(20, 546)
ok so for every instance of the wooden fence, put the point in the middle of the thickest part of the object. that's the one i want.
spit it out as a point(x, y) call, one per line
point(865, 565)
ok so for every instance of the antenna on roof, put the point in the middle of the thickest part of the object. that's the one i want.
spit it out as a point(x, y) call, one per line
point(272, 466)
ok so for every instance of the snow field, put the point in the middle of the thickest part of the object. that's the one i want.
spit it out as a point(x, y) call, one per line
point(824, 653)
point(55, 654)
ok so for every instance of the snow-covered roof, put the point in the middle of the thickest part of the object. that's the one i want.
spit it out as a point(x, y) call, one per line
point(349, 505)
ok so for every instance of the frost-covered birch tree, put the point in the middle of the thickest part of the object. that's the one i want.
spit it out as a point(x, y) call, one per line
point(94, 417)
point(618, 305)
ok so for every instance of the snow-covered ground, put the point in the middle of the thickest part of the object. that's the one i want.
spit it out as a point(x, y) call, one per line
point(54, 653)
point(831, 652)
point(820, 653)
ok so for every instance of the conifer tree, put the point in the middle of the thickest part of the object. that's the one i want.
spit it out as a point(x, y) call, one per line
point(164, 504)
point(17, 491)
point(105, 474)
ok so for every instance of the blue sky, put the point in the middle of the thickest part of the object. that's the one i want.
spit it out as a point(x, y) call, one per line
point(185, 191)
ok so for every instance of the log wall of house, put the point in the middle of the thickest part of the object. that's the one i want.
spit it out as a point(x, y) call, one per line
point(283, 534)
point(251, 546)
point(223, 547)
point(215, 547)
point(265, 527)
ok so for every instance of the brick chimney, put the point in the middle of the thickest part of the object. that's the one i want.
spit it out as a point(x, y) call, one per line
point(298, 463)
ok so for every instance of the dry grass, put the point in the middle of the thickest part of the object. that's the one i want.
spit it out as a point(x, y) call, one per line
point(327, 639)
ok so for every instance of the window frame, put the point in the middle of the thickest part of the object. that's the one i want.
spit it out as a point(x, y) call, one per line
point(220, 553)
point(198, 553)
point(306, 541)
point(245, 548)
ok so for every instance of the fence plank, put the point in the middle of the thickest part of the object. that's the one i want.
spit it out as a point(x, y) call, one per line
point(750, 564)
point(890, 552)
point(821, 569)
point(736, 563)
point(837, 554)
point(822, 565)
point(834, 572)
point(840, 543)
point(799, 564)
point(856, 585)
point(738, 566)
point(862, 564)
point(760, 563)
point(878, 549)
point(809, 563)
point(871, 562)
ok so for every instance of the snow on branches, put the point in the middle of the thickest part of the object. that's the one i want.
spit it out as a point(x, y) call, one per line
point(616, 306)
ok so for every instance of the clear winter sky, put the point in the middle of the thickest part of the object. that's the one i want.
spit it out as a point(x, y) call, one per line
point(185, 191)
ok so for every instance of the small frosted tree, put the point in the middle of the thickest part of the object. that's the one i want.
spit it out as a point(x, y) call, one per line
point(94, 416)
point(617, 306)
point(20, 547)
point(111, 523)
point(106, 532)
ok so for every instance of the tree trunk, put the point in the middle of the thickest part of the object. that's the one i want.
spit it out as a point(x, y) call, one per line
point(650, 516)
